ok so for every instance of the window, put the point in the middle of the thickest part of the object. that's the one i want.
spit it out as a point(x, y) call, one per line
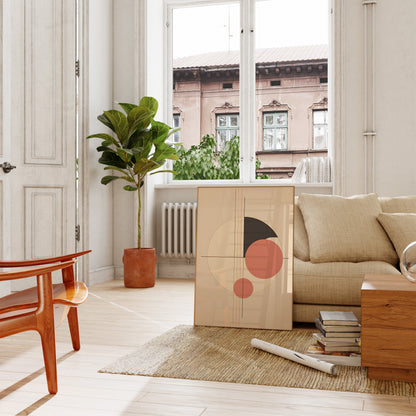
point(275, 130)
point(320, 129)
point(280, 71)
point(227, 128)
point(176, 124)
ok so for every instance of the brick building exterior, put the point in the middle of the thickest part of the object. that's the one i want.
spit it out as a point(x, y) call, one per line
point(291, 103)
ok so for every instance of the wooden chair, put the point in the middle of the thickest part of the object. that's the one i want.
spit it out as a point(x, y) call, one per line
point(44, 306)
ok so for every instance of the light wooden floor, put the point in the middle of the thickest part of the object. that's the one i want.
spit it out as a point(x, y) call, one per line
point(113, 322)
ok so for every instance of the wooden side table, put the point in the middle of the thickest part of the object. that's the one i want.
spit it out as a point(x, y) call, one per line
point(388, 327)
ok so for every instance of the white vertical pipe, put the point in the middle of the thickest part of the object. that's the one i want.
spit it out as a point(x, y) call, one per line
point(194, 229)
point(163, 228)
point(188, 230)
point(175, 229)
point(181, 230)
point(170, 209)
point(369, 133)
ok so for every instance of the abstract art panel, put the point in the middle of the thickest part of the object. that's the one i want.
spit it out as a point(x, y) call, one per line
point(244, 261)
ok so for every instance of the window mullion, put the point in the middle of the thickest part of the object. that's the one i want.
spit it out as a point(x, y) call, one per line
point(247, 92)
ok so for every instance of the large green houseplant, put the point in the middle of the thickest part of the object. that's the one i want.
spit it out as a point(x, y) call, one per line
point(138, 147)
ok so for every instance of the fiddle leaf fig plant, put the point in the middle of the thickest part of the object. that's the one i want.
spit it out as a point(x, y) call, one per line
point(138, 146)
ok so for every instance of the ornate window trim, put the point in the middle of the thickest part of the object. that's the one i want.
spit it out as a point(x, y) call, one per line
point(273, 107)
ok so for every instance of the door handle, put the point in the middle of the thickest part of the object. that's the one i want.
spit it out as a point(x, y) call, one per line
point(7, 167)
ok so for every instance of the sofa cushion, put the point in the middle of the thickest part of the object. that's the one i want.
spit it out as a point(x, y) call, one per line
point(345, 229)
point(337, 283)
point(398, 204)
point(401, 228)
point(300, 237)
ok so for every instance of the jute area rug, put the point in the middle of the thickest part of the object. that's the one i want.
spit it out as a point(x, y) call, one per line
point(225, 355)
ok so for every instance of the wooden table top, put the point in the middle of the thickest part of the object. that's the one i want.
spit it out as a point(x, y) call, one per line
point(391, 282)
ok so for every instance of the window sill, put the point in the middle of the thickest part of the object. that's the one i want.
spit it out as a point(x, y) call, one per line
point(259, 182)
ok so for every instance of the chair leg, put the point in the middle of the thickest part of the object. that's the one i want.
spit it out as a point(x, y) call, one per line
point(73, 328)
point(46, 328)
point(49, 357)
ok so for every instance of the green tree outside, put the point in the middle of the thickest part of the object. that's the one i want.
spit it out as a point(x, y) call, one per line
point(204, 162)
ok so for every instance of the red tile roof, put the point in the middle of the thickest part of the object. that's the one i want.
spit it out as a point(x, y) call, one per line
point(263, 56)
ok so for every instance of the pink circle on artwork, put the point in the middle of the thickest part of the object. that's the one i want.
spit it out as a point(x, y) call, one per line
point(264, 259)
point(243, 288)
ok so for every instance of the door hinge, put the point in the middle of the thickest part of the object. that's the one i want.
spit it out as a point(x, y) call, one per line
point(78, 232)
point(77, 70)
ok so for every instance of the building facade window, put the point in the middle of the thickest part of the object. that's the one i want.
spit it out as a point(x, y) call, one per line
point(176, 124)
point(320, 129)
point(227, 126)
point(275, 130)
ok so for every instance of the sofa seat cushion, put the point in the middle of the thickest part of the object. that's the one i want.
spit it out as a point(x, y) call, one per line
point(401, 228)
point(335, 283)
point(345, 229)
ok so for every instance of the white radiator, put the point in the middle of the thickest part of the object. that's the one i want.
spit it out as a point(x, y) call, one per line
point(178, 229)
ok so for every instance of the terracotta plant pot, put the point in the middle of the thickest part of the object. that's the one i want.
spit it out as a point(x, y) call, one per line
point(139, 267)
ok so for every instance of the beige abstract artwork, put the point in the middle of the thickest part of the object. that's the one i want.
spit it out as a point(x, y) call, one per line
point(244, 259)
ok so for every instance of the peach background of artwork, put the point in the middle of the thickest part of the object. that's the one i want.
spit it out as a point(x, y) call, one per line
point(220, 257)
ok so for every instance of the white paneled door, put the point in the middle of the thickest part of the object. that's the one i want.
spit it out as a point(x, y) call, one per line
point(39, 129)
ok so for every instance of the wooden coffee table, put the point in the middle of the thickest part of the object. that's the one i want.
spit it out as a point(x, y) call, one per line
point(388, 327)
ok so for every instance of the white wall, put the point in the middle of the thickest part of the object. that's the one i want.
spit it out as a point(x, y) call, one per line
point(393, 73)
point(100, 97)
point(395, 168)
point(125, 90)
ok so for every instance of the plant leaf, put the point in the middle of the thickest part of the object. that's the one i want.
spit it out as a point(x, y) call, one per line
point(104, 119)
point(112, 159)
point(130, 188)
point(123, 171)
point(107, 179)
point(105, 148)
point(103, 136)
point(174, 131)
point(125, 154)
point(139, 119)
point(127, 107)
point(160, 171)
point(160, 131)
point(151, 103)
point(119, 122)
point(164, 151)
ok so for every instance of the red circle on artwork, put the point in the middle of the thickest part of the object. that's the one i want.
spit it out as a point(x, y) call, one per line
point(264, 259)
point(243, 288)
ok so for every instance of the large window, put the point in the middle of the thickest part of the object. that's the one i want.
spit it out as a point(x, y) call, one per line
point(320, 129)
point(227, 128)
point(261, 95)
point(275, 131)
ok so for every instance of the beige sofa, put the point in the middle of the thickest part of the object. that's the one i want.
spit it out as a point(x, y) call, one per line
point(338, 240)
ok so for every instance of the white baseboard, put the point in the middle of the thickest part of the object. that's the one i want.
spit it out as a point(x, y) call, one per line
point(103, 274)
point(118, 272)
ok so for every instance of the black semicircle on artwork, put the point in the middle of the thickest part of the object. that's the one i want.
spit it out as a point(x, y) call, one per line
point(254, 230)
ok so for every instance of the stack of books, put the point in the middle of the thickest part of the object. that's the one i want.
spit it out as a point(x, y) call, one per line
point(339, 338)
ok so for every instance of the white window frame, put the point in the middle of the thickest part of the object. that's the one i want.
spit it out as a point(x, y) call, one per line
point(248, 112)
point(325, 125)
point(176, 122)
point(275, 128)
